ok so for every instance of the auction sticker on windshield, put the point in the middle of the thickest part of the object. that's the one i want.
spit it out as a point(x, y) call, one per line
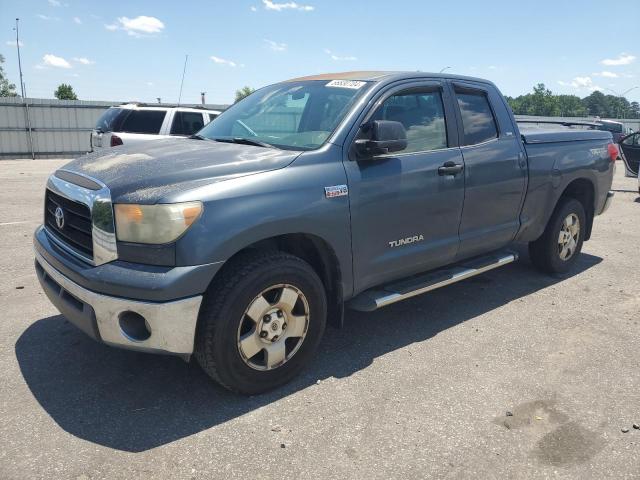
point(353, 84)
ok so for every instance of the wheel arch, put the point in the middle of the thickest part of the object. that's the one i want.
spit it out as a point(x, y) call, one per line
point(583, 190)
point(316, 252)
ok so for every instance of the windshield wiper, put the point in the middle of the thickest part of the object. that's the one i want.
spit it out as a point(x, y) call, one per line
point(245, 141)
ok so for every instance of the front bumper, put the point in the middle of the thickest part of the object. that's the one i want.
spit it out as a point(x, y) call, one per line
point(171, 324)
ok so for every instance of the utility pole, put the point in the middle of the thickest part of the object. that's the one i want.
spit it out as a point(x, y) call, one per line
point(19, 61)
point(202, 94)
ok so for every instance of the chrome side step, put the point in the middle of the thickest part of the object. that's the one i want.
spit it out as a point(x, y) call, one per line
point(384, 295)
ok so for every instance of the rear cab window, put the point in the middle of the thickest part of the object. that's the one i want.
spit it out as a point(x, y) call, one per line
point(478, 120)
point(110, 119)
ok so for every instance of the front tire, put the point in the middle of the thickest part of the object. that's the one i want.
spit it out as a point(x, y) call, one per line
point(260, 322)
point(558, 248)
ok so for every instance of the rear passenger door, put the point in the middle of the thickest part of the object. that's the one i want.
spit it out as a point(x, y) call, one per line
point(495, 169)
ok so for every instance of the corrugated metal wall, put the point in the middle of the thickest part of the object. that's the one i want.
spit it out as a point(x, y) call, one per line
point(59, 128)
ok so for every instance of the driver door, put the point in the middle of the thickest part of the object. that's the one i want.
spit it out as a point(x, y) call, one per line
point(405, 213)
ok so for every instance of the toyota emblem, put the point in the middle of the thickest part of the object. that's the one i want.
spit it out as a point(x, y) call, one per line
point(59, 214)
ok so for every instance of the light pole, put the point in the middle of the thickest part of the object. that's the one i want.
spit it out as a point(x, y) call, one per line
point(445, 68)
point(621, 95)
point(19, 61)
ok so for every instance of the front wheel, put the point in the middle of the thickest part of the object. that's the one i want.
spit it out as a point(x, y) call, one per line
point(260, 322)
point(557, 250)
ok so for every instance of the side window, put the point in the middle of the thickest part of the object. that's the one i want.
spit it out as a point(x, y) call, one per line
point(632, 140)
point(186, 123)
point(477, 118)
point(212, 117)
point(144, 121)
point(422, 114)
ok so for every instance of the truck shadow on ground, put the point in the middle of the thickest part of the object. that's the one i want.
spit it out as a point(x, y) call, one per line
point(134, 401)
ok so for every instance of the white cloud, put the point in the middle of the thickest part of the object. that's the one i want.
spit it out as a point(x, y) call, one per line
point(138, 26)
point(269, 5)
point(338, 58)
point(51, 60)
point(12, 43)
point(77, 20)
point(54, 3)
point(83, 60)
point(275, 46)
point(222, 61)
point(622, 59)
point(605, 74)
point(581, 83)
point(150, 84)
point(254, 8)
point(46, 18)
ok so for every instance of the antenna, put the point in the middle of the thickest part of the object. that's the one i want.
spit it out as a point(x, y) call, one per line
point(186, 57)
point(19, 61)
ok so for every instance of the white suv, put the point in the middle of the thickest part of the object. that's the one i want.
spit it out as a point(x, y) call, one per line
point(134, 122)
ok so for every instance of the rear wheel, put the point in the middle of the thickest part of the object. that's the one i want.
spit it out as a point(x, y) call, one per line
point(557, 250)
point(260, 322)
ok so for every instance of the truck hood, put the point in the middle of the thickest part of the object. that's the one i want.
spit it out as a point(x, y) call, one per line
point(150, 172)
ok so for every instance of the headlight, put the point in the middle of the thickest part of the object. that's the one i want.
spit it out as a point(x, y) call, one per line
point(156, 224)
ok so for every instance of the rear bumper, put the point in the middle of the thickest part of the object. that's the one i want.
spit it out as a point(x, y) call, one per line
point(607, 202)
point(171, 325)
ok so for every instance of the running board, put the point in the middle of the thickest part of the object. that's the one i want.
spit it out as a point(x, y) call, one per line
point(384, 295)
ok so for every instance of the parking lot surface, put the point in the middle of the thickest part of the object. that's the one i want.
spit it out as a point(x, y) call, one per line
point(512, 374)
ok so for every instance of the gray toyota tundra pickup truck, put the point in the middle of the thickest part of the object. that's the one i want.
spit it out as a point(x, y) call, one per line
point(355, 189)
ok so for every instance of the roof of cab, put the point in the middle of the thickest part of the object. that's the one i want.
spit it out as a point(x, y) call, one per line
point(377, 76)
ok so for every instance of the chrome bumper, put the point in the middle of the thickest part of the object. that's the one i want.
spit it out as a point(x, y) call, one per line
point(607, 202)
point(172, 325)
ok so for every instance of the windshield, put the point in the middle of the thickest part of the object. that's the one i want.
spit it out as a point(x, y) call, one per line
point(293, 115)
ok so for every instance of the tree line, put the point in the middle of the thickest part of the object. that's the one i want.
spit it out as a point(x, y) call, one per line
point(544, 103)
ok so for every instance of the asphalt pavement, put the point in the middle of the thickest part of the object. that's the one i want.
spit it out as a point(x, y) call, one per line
point(512, 374)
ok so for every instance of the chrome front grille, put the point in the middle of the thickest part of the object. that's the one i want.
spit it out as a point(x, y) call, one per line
point(80, 219)
point(74, 226)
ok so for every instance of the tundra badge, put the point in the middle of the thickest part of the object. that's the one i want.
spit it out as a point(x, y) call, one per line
point(406, 241)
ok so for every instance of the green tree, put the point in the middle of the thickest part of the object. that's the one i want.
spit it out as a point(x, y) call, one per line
point(244, 92)
point(6, 89)
point(65, 92)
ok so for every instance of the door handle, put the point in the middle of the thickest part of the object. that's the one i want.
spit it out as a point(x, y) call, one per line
point(450, 168)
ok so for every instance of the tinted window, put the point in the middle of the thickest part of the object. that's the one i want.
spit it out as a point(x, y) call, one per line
point(212, 116)
point(143, 121)
point(477, 118)
point(186, 123)
point(611, 127)
point(422, 115)
point(632, 140)
point(109, 119)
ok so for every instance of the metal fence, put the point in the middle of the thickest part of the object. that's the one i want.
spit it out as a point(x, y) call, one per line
point(45, 128)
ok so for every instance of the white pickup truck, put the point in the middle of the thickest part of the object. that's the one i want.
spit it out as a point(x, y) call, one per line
point(133, 123)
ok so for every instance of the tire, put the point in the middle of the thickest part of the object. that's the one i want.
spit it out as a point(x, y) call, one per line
point(546, 253)
point(254, 285)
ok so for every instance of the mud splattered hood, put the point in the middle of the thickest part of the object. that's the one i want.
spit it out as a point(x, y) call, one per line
point(150, 172)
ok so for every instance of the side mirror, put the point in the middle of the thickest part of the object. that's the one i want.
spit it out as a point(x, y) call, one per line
point(387, 136)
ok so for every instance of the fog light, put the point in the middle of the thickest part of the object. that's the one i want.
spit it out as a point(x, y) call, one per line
point(134, 326)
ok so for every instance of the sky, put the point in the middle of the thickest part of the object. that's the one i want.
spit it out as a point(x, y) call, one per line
point(135, 50)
